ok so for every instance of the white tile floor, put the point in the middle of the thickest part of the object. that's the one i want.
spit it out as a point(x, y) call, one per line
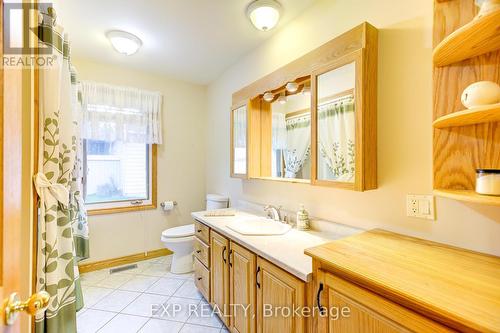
point(148, 299)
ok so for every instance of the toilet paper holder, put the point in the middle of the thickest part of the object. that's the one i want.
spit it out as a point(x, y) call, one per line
point(162, 205)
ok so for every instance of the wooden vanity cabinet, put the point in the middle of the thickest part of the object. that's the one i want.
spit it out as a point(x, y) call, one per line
point(242, 289)
point(242, 286)
point(397, 283)
point(219, 275)
point(348, 308)
point(276, 289)
point(202, 259)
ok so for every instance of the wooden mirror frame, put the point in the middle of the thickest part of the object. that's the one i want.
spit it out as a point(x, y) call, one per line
point(362, 39)
point(365, 175)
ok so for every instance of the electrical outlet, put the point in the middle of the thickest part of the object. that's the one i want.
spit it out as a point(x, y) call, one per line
point(421, 206)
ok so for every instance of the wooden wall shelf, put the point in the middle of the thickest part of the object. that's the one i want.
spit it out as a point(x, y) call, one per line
point(469, 196)
point(472, 137)
point(477, 37)
point(472, 116)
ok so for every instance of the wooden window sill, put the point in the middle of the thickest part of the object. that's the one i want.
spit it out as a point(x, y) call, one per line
point(117, 210)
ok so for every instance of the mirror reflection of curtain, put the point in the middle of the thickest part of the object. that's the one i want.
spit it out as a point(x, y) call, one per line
point(240, 140)
point(278, 143)
point(336, 139)
point(298, 144)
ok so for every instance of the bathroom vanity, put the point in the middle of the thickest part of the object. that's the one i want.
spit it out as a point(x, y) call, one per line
point(397, 283)
point(388, 282)
point(231, 268)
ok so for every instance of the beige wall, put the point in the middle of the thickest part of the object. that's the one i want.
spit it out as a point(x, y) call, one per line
point(404, 132)
point(181, 164)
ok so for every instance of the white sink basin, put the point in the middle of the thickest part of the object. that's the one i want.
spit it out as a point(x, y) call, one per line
point(258, 227)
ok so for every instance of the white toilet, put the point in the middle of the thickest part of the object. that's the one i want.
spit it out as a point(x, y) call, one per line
point(180, 240)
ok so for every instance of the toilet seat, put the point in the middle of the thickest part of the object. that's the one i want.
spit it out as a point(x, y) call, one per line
point(178, 232)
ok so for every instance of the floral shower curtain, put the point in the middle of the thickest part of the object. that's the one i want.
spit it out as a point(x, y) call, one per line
point(62, 224)
point(336, 137)
point(298, 144)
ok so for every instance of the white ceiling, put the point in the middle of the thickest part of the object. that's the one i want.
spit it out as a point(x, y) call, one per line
point(191, 40)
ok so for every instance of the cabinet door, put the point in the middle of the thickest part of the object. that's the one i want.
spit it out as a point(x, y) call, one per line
point(278, 294)
point(242, 289)
point(219, 274)
point(368, 312)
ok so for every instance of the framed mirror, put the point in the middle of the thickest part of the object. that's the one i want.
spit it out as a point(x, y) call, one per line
point(314, 120)
point(239, 142)
point(341, 116)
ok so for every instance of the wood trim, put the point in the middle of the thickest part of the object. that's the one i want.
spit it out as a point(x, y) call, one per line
point(266, 138)
point(285, 180)
point(254, 142)
point(109, 263)
point(36, 156)
point(1, 150)
point(154, 189)
point(94, 212)
point(338, 47)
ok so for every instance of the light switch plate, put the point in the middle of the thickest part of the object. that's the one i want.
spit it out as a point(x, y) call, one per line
point(420, 206)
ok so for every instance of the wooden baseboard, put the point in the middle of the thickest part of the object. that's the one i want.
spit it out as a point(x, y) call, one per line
point(108, 263)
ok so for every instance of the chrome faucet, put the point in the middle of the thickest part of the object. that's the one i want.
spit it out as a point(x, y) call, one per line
point(273, 212)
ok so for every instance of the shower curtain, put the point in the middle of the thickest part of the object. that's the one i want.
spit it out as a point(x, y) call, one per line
point(298, 144)
point(336, 137)
point(62, 224)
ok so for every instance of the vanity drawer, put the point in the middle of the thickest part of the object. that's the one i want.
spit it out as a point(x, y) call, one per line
point(202, 252)
point(202, 231)
point(202, 279)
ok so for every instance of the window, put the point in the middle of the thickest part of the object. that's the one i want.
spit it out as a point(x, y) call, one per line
point(122, 128)
point(118, 174)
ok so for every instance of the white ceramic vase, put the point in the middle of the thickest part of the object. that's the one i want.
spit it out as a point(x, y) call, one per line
point(481, 93)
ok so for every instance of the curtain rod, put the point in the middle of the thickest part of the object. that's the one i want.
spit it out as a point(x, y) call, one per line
point(338, 99)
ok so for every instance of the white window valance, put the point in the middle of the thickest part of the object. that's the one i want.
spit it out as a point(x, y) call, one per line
point(114, 113)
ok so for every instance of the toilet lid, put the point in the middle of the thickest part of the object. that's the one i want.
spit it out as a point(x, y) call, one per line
point(177, 232)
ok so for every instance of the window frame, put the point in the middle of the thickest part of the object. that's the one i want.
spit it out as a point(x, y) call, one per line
point(129, 205)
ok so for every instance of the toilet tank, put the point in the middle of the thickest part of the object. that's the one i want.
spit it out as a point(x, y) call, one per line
point(216, 201)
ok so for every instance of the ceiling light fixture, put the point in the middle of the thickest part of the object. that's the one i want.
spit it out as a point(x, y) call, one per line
point(124, 42)
point(292, 87)
point(264, 14)
point(268, 97)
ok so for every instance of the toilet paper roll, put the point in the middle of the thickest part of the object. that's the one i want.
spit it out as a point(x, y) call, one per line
point(167, 205)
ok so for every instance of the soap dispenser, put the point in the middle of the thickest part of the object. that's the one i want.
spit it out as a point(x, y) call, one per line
point(302, 219)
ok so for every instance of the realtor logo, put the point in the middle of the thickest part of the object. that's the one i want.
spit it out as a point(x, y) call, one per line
point(24, 34)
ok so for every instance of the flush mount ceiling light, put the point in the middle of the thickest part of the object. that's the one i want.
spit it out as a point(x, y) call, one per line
point(292, 87)
point(268, 97)
point(264, 14)
point(124, 42)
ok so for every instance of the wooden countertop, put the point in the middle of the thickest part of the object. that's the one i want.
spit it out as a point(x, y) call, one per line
point(457, 287)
